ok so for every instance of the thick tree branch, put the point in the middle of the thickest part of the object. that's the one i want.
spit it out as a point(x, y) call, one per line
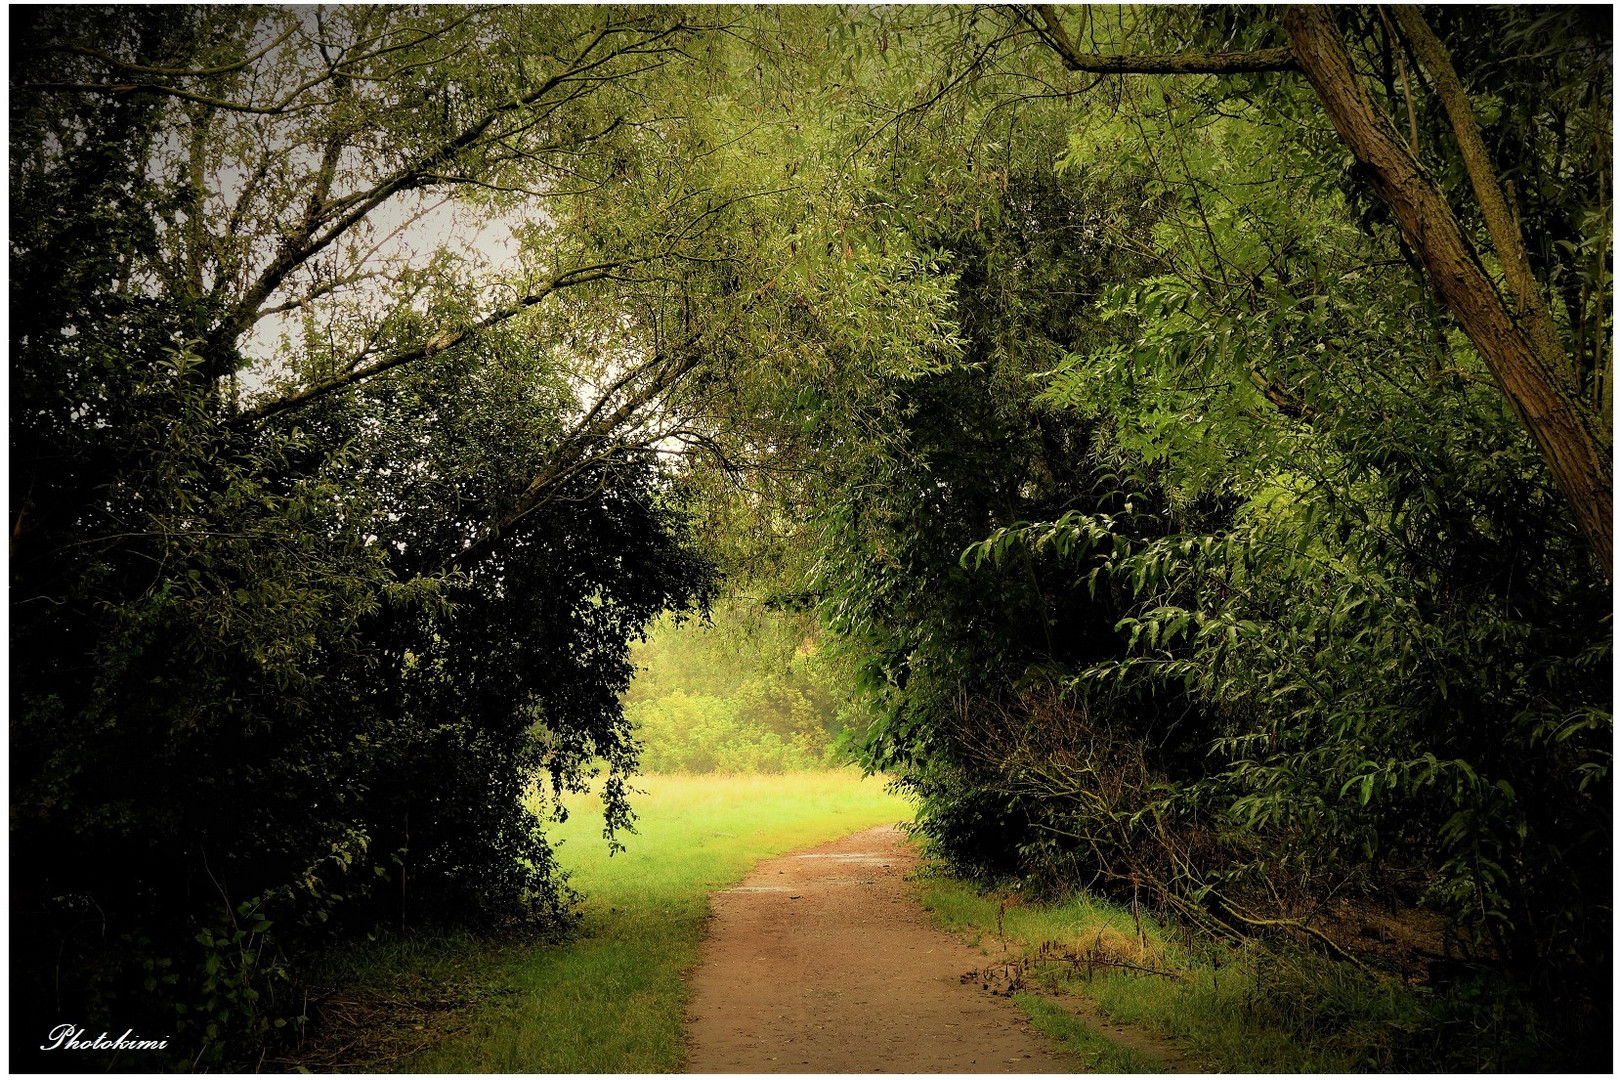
point(1505, 234)
point(1045, 22)
point(1522, 353)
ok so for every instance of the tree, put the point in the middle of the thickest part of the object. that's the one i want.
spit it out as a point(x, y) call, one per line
point(296, 633)
point(1517, 334)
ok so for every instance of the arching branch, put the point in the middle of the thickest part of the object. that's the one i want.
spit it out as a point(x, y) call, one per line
point(432, 347)
point(1043, 19)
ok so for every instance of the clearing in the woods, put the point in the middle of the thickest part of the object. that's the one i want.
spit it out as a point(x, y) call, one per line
point(612, 999)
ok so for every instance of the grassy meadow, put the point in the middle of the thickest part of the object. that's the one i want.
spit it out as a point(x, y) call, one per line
point(611, 998)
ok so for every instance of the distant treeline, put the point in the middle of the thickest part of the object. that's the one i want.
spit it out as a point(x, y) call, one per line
point(751, 691)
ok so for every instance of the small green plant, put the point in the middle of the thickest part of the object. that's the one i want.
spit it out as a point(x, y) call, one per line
point(1099, 1053)
point(241, 971)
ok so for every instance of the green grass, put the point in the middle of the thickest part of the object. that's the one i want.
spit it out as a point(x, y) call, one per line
point(1098, 1052)
point(1238, 1009)
point(612, 999)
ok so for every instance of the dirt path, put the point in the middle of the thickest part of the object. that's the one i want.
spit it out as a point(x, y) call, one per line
point(821, 961)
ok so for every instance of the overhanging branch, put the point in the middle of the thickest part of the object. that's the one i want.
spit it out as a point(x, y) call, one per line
point(597, 437)
point(433, 346)
point(1044, 20)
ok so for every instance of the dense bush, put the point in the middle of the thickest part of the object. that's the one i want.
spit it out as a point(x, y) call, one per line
point(278, 681)
point(1397, 642)
point(696, 733)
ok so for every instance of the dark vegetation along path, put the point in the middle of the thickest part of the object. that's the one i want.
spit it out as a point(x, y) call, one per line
point(822, 961)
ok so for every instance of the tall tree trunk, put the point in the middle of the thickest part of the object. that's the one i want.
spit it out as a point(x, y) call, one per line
point(1538, 386)
point(1517, 342)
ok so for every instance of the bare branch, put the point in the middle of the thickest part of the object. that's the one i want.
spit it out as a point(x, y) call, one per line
point(170, 73)
point(595, 438)
point(1406, 78)
point(280, 107)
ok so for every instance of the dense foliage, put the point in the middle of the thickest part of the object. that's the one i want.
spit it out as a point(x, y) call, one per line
point(1185, 528)
point(279, 681)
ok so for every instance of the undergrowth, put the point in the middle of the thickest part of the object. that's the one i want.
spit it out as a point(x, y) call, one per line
point(374, 1005)
point(1098, 1052)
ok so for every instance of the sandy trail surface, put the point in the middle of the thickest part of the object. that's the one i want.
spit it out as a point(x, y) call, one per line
point(823, 961)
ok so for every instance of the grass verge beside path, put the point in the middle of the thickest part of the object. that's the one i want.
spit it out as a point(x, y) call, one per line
point(1100, 1053)
point(1236, 1008)
point(612, 998)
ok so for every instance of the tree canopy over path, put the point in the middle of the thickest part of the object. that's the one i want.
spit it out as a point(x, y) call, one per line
point(1192, 425)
